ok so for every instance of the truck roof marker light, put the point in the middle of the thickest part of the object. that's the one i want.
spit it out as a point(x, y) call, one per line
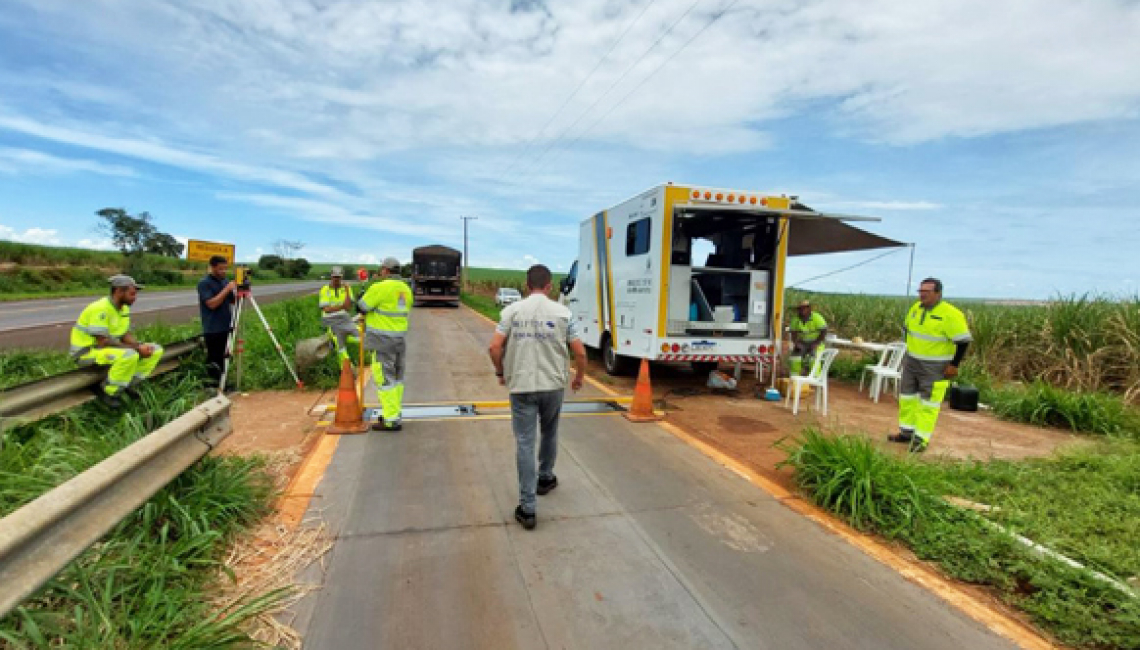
point(764, 201)
point(719, 196)
point(708, 195)
point(664, 347)
point(696, 194)
point(731, 198)
point(742, 198)
point(752, 200)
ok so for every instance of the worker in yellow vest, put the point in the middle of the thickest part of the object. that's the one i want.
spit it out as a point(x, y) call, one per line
point(335, 302)
point(387, 304)
point(102, 337)
point(808, 329)
point(937, 336)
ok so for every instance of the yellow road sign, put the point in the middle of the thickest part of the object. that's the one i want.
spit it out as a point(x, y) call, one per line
point(202, 251)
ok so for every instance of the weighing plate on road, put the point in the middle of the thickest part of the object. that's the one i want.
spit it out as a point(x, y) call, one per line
point(498, 410)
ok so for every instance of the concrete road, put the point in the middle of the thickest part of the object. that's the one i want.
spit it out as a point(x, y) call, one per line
point(46, 323)
point(646, 543)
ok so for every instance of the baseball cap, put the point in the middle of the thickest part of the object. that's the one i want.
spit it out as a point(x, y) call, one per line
point(336, 272)
point(123, 281)
point(390, 263)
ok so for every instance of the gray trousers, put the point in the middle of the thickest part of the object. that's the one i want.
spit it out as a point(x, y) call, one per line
point(530, 412)
point(341, 328)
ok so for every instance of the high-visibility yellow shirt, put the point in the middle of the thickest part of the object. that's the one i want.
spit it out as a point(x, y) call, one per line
point(387, 304)
point(931, 334)
point(100, 318)
point(330, 297)
point(810, 329)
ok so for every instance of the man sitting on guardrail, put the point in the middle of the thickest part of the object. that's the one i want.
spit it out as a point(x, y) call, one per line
point(102, 337)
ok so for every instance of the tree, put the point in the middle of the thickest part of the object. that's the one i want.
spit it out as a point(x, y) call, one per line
point(270, 262)
point(297, 268)
point(135, 235)
point(286, 248)
point(166, 245)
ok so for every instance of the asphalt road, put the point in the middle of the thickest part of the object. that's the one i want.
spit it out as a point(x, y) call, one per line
point(646, 543)
point(46, 323)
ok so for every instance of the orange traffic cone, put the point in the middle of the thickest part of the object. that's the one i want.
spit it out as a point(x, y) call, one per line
point(349, 417)
point(641, 410)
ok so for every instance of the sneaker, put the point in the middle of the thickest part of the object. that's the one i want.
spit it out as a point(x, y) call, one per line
point(900, 437)
point(545, 485)
point(918, 445)
point(528, 520)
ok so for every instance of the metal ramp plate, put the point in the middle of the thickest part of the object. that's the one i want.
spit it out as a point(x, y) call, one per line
point(497, 410)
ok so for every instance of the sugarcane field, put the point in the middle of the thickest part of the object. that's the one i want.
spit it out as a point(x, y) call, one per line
point(647, 324)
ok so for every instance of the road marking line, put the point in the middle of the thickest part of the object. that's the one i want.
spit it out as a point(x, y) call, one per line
point(294, 502)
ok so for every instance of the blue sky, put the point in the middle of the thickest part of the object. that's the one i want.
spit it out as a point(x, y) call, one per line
point(1001, 138)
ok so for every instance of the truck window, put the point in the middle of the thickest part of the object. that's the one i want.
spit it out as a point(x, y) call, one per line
point(637, 237)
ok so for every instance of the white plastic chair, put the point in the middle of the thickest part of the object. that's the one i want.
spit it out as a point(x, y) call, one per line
point(888, 369)
point(817, 379)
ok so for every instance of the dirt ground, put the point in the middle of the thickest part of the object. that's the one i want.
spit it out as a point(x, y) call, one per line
point(745, 428)
point(276, 423)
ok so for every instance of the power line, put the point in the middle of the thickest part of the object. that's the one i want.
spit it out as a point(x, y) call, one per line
point(583, 114)
point(847, 268)
point(646, 79)
point(536, 136)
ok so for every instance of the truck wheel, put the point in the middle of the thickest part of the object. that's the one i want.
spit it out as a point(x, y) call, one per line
point(703, 368)
point(615, 363)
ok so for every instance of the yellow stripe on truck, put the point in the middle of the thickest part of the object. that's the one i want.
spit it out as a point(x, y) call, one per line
point(673, 194)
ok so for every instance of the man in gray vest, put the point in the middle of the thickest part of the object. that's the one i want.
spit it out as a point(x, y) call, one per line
point(535, 334)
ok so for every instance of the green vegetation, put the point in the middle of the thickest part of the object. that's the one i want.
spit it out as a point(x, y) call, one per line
point(149, 582)
point(1085, 505)
point(483, 304)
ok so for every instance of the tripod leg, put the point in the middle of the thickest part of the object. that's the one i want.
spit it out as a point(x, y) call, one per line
point(280, 350)
point(230, 342)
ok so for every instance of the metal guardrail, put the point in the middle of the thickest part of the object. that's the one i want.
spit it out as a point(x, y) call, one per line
point(38, 399)
point(41, 538)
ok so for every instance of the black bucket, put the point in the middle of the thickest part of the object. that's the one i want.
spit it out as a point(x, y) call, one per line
point(963, 398)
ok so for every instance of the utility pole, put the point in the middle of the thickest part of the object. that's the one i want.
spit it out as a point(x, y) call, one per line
point(465, 257)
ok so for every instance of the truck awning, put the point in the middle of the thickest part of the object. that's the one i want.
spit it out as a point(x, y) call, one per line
point(811, 232)
point(830, 235)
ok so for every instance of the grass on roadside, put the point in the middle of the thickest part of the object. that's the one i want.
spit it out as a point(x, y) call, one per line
point(146, 584)
point(483, 304)
point(1083, 504)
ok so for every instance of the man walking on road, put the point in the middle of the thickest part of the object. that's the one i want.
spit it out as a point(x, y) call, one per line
point(535, 333)
point(937, 336)
point(215, 297)
point(808, 330)
point(335, 301)
point(102, 337)
point(387, 304)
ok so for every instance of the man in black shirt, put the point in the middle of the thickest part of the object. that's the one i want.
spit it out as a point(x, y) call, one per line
point(215, 296)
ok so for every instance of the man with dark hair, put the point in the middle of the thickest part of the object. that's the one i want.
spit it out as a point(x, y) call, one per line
point(215, 296)
point(102, 337)
point(535, 333)
point(937, 336)
point(808, 330)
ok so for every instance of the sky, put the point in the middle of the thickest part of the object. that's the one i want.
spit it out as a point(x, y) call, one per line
point(1001, 139)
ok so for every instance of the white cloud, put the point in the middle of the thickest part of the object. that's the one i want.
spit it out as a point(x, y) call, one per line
point(45, 236)
point(26, 160)
point(97, 243)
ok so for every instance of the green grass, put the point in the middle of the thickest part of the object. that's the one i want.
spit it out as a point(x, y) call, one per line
point(483, 304)
point(148, 583)
point(1083, 504)
point(40, 256)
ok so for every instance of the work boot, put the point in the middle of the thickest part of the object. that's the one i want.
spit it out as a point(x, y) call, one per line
point(394, 426)
point(528, 520)
point(901, 436)
point(545, 485)
point(111, 402)
point(918, 445)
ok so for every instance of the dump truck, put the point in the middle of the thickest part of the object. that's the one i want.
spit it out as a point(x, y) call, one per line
point(695, 274)
point(436, 274)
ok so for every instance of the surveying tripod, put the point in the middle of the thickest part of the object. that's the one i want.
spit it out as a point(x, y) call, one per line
point(235, 345)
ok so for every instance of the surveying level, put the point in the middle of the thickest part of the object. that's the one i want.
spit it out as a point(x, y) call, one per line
point(235, 345)
point(243, 278)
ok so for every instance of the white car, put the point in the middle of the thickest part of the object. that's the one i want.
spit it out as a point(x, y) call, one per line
point(506, 296)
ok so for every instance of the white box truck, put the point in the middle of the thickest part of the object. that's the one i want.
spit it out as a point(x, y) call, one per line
point(694, 274)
